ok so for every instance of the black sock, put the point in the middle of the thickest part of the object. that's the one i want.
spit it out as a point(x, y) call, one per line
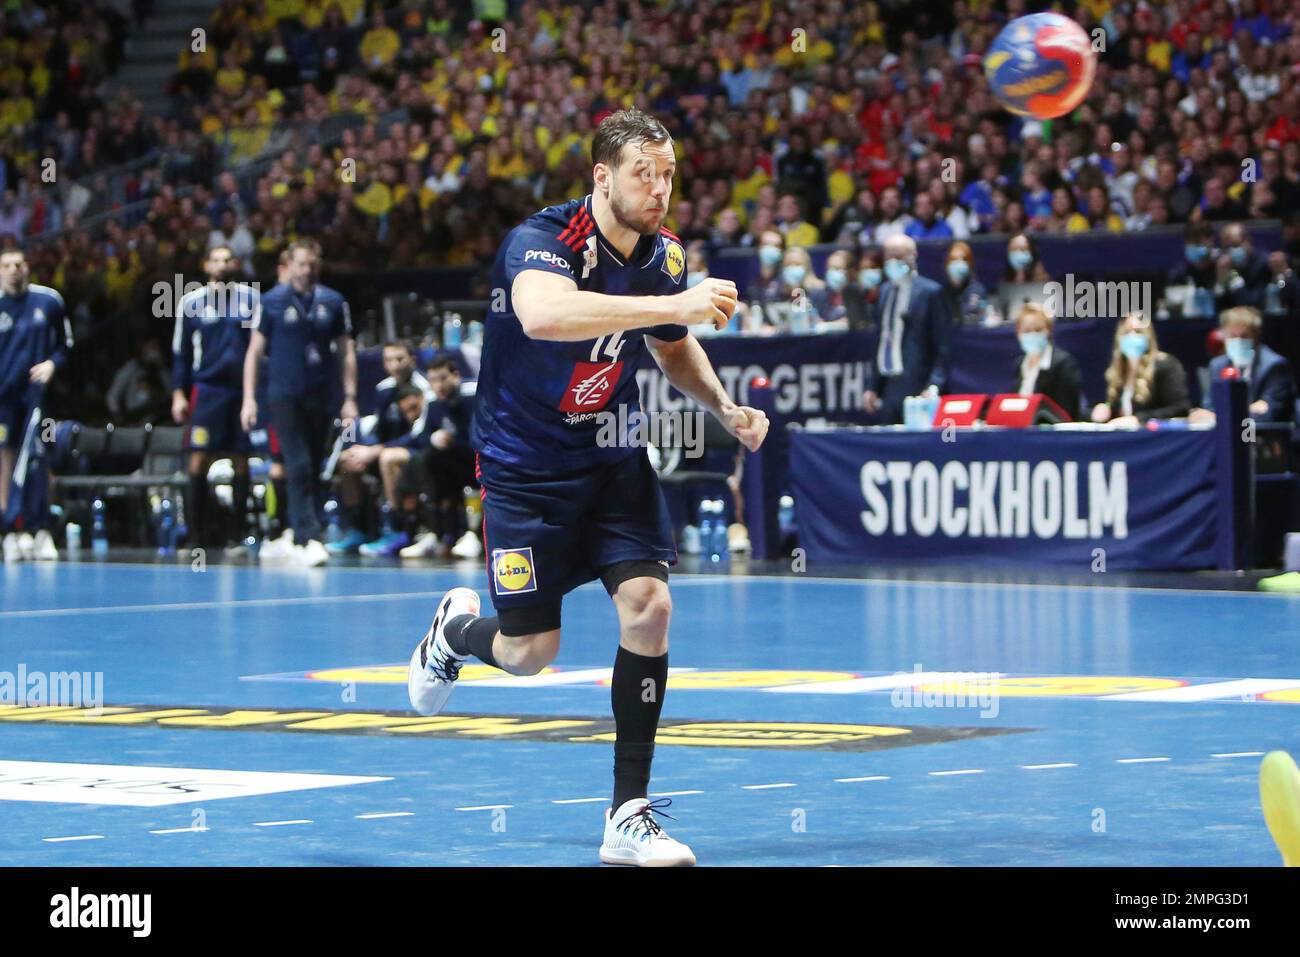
point(471, 635)
point(239, 486)
point(351, 515)
point(637, 693)
point(196, 509)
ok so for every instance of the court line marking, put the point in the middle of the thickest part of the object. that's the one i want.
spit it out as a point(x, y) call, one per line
point(1239, 754)
point(181, 830)
point(765, 787)
point(484, 807)
point(281, 823)
point(210, 605)
point(376, 815)
point(944, 774)
point(579, 800)
point(76, 837)
point(1045, 767)
point(668, 794)
point(872, 777)
point(1140, 760)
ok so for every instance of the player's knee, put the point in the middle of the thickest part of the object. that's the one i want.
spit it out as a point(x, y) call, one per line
point(649, 607)
point(529, 654)
point(390, 458)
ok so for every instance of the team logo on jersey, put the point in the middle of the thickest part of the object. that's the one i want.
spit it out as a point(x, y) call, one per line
point(199, 437)
point(546, 256)
point(591, 386)
point(4, 434)
point(6, 322)
point(38, 317)
point(291, 314)
point(674, 259)
point(513, 570)
point(589, 257)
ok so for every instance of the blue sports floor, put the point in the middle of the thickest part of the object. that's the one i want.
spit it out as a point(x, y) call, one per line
point(1119, 726)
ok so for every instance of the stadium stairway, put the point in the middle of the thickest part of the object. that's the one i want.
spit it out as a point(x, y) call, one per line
point(151, 50)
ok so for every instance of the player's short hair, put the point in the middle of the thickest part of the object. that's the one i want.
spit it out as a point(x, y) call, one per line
point(400, 344)
point(620, 129)
point(1037, 309)
point(285, 255)
point(444, 362)
point(408, 391)
point(16, 251)
point(310, 245)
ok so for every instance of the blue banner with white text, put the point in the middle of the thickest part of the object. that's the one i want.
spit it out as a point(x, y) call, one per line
point(1099, 500)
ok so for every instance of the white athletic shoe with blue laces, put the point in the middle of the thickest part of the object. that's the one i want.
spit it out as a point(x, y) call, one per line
point(434, 668)
point(633, 836)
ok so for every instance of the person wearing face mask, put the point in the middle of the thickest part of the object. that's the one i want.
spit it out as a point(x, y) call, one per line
point(1141, 382)
point(915, 325)
point(1024, 268)
point(831, 301)
point(863, 291)
point(967, 297)
point(1197, 268)
point(1240, 273)
point(800, 292)
point(1044, 367)
point(697, 270)
point(1270, 385)
point(764, 291)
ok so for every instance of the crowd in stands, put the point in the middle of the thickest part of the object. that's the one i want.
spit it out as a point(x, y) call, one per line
point(821, 122)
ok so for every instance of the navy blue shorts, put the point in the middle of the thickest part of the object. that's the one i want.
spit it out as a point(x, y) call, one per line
point(15, 411)
point(214, 420)
point(544, 534)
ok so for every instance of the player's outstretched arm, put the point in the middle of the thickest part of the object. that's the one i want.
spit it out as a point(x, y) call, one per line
point(256, 349)
point(552, 307)
point(687, 367)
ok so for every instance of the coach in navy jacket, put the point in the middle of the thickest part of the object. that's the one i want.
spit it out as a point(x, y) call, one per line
point(914, 318)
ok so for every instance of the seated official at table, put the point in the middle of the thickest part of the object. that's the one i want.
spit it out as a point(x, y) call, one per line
point(1270, 386)
point(1142, 382)
point(1045, 367)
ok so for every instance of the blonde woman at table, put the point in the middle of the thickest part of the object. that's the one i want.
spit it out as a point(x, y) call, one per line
point(1142, 382)
point(1045, 367)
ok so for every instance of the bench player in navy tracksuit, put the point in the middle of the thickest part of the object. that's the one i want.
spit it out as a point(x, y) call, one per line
point(585, 288)
point(35, 338)
point(213, 326)
point(301, 326)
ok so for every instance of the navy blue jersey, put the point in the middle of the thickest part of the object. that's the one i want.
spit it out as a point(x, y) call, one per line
point(300, 332)
point(211, 335)
point(456, 415)
point(33, 328)
point(538, 402)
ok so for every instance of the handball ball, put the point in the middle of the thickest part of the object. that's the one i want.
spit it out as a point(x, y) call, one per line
point(1041, 65)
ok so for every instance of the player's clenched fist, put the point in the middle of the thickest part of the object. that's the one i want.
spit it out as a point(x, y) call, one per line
point(711, 300)
point(748, 425)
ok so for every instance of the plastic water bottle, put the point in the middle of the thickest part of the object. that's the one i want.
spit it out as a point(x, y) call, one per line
point(1273, 298)
point(691, 540)
point(705, 526)
point(473, 508)
point(72, 537)
point(98, 528)
point(475, 333)
point(166, 527)
point(451, 331)
point(718, 551)
point(785, 516)
point(332, 531)
point(385, 519)
point(930, 406)
point(1202, 302)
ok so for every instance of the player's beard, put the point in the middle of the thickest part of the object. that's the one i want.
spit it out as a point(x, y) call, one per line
point(626, 217)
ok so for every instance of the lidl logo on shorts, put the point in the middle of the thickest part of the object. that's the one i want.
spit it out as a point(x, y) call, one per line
point(4, 434)
point(513, 570)
point(674, 259)
point(198, 436)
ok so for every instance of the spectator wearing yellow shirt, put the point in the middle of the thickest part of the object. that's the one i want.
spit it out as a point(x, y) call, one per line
point(231, 78)
point(380, 44)
point(790, 221)
point(1098, 215)
point(504, 160)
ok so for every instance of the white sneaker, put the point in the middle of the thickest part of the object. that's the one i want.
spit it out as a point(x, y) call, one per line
point(43, 549)
point(737, 538)
point(12, 552)
point(423, 547)
point(26, 546)
point(434, 667)
point(468, 546)
point(633, 836)
point(277, 549)
point(312, 555)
